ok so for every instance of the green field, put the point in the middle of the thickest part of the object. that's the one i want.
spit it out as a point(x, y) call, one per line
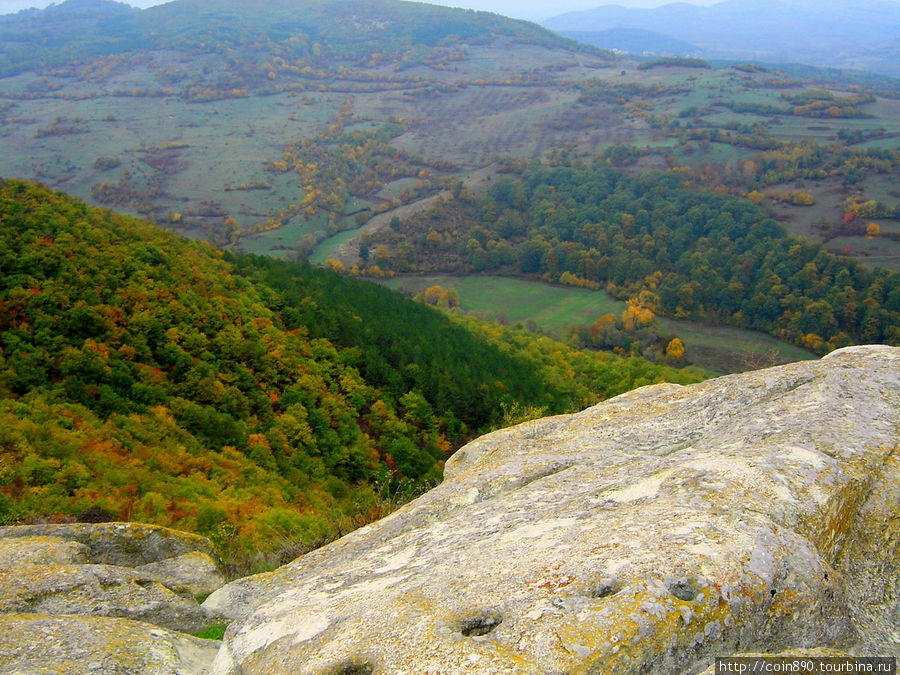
point(718, 348)
point(329, 248)
point(517, 301)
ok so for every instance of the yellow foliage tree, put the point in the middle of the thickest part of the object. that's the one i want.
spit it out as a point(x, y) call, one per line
point(675, 349)
point(433, 294)
point(812, 341)
point(636, 315)
point(802, 198)
point(755, 196)
point(449, 298)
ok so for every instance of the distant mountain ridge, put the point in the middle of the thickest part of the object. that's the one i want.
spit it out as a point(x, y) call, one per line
point(344, 30)
point(862, 35)
point(634, 41)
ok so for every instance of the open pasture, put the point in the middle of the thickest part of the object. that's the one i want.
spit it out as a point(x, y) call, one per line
point(552, 308)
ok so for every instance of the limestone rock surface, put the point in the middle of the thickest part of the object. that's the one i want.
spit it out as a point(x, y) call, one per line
point(126, 544)
point(85, 598)
point(41, 550)
point(97, 590)
point(196, 572)
point(751, 513)
point(78, 645)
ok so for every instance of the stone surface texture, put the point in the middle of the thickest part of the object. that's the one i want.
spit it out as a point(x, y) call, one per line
point(195, 572)
point(41, 550)
point(750, 513)
point(126, 544)
point(99, 597)
point(97, 590)
point(76, 645)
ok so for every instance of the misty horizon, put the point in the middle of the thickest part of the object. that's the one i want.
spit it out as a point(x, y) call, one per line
point(531, 10)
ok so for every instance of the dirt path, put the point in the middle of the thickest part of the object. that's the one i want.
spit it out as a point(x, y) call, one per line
point(348, 251)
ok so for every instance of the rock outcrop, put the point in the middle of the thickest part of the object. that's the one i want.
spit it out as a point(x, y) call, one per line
point(125, 544)
point(650, 533)
point(196, 571)
point(98, 590)
point(99, 598)
point(32, 644)
point(42, 550)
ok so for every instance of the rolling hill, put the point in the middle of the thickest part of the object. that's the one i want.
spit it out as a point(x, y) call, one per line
point(858, 35)
point(318, 129)
point(274, 127)
point(325, 33)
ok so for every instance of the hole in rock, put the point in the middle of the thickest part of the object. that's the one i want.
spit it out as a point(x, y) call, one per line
point(352, 667)
point(604, 589)
point(683, 590)
point(480, 624)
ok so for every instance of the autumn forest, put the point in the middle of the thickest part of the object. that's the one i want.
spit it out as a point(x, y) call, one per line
point(207, 209)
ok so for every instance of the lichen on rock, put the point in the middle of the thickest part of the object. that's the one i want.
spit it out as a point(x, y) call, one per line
point(60, 645)
point(42, 550)
point(195, 572)
point(125, 544)
point(97, 590)
point(80, 597)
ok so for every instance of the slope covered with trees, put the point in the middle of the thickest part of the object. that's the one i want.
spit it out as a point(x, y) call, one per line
point(252, 400)
point(681, 252)
point(323, 33)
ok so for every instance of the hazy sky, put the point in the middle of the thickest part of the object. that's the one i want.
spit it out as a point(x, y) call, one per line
point(532, 10)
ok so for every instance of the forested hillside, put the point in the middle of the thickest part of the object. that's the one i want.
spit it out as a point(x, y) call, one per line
point(256, 401)
point(322, 32)
point(280, 127)
point(681, 252)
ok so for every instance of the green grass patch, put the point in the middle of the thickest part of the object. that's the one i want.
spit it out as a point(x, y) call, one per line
point(215, 631)
point(287, 239)
point(721, 349)
point(329, 248)
point(518, 300)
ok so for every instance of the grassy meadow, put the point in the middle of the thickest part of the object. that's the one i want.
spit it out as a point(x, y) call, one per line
point(552, 308)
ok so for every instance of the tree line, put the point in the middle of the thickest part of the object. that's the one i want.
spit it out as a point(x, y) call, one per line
point(687, 253)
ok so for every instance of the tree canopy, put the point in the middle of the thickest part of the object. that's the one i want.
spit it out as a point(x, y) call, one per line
point(249, 399)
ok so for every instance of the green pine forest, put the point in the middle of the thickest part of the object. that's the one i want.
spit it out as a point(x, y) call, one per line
point(269, 405)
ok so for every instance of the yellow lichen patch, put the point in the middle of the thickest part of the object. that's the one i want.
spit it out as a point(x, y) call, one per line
point(638, 627)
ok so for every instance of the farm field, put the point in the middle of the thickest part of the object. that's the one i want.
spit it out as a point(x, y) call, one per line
point(551, 308)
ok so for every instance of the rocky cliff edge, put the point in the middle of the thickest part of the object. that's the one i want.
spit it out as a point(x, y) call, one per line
point(751, 513)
